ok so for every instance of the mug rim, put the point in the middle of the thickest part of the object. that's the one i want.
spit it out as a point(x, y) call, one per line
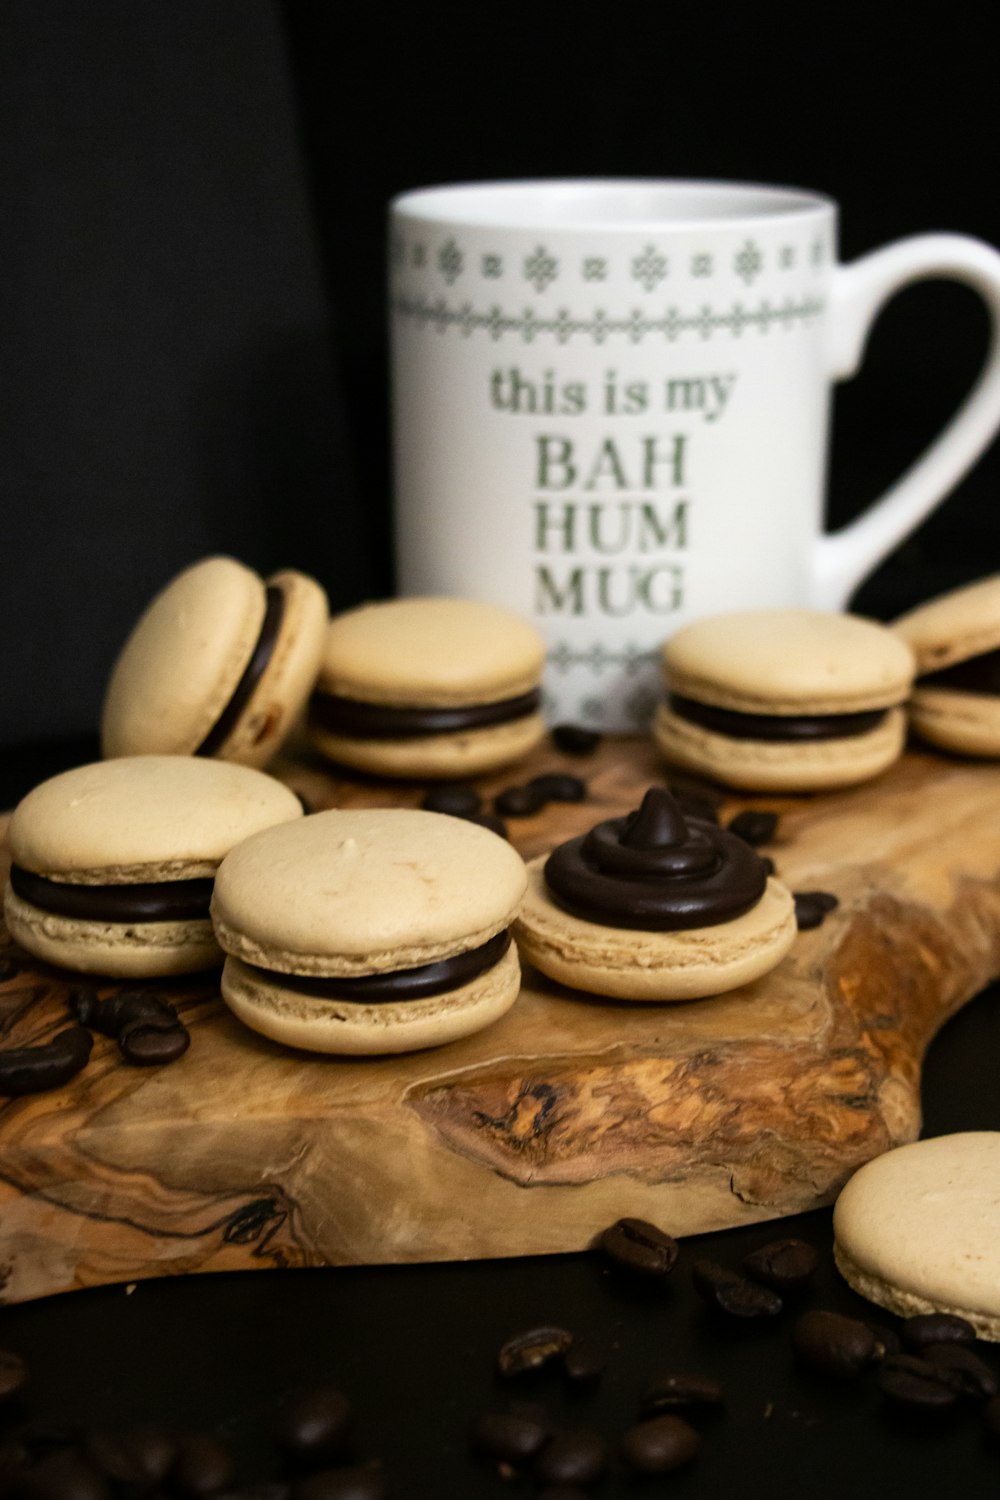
point(557, 204)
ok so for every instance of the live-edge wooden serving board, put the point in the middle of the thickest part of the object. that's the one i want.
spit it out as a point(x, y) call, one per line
point(567, 1114)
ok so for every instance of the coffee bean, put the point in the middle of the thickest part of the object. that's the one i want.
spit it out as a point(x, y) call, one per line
point(532, 1350)
point(314, 1424)
point(886, 1338)
point(680, 1393)
point(84, 1005)
point(660, 1445)
point(64, 1475)
point(732, 1294)
point(32, 1070)
point(991, 1414)
point(577, 1456)
point(13, 1374)
point(359, 1482)
point(575, 739)
point(637, 1246)
point(488, 820)
point(811, 907)
point(935, 1328)
point(781, 1264)
point(908, 1381)
point(204, 1465)
point(152, 1046)
point(834, 1344)
point(136, 1460)
point(453, 797)
point(518, 802)
point(754, 828)
point(558, 786)
point(509, 1436)
point(973, 1376)
point(584, 1363)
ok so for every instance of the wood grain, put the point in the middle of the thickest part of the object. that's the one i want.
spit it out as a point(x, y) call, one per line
point(533, 1135)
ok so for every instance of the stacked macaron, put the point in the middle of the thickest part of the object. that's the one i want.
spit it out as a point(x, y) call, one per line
point(956, 641)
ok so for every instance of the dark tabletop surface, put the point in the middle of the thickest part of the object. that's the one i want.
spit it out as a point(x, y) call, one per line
point(415, 1347)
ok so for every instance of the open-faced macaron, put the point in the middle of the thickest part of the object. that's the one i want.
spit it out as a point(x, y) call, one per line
point(369, 931)
point(113, 863)
point(654, 906)
point(428, 688)
point(788, 700)
point(219, 665)
point(956, 641)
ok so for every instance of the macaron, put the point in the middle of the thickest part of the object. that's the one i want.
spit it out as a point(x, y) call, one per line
point(654, 906)
point(956, 641)
point(380, 930)
point(428, 688)
point(918, 1229)
point(785, 700)
point(113, 863)
point(220, 665)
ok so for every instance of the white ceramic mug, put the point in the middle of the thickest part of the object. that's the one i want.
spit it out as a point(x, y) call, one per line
point(611, 402)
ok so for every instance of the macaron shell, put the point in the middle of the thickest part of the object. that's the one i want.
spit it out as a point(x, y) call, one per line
point(121, 950)
point(968, 723)
point(348, 1028)
point(470, 752)
point(181, 663)
point(431, 652)
point(918, 1229)
point(789, 661)
point(962, 623)
point(780, 765)
point(631, 965)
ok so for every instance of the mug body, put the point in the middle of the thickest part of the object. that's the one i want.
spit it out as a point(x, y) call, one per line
point(610, 412)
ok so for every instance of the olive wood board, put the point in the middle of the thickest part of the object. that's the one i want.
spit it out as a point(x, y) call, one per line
point(565, 1115)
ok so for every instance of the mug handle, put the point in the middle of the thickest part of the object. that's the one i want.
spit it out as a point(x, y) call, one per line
point(844, 557)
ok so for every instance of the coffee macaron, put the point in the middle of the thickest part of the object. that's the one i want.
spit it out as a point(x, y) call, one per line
point(784, 700)
point(917, 1230)
point(113, 863)
point(428, 687)
point(219, 665)
point(654, 906)
point(956, 641)
point(371, 931)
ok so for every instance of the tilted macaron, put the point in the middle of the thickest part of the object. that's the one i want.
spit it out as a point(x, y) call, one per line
point(113, 863)
point(790, 700)
point(428, 688)
point(654, 906)
point(369, 931)
point(956, 641)
point(917, 1230)
point(220, 664)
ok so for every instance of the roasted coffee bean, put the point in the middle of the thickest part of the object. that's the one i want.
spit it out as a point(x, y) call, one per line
point(886, 1338)
point(63, 1475)
point(314, 1424)
point(680, 1393)
point(453, 797)
point(908, 1381)
point(358, 1482)
point(834, 1344)
point(811, 907)
point(9, 967)
point(204, 1465)
point(754, 828)
point(131, 1008)
point(558, 786)
point(84, 1005)
point(532, 1350)
point(136, 1461)
point(640, 1247)
point(973, 1375)
point(781, 1264)
point(577, 1456)
point(991, 1414)
point(31, 1070)
point(148, 1047)
point(13, 1374)
point(510, 1436)
point(660, 1445)
point(518, 802)
point(489, 820)
point(732, 1294)
point(584, 1363)
point(935, 1328)
point(575, 739)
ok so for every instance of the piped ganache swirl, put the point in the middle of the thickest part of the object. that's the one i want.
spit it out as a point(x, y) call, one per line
point(656, 871)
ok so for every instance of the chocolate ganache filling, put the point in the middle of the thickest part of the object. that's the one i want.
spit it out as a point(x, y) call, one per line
point(260, 656)
point(159, 901)
point(399, 984)
point(977, 674)
point(788, 727)
point(379, 721)
point(656, 870)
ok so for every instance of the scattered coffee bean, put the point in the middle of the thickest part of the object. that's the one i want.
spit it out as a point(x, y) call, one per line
point(453, 797)
point(660, 1445)
point(145, 1047)
point(887, 1338)
point(359, 1482)
point(510, 1436)
point(147, 1028)
point(84, 1005)
point(973, 1376)
point(640, 1247)
point(991, 1414)
point(204, 1465)
point(811, 907)
point(518, 802)
point(31, 1070)
point(577, 1456)
point(9, 967)
point(935, 1328)
point(575, 739)
point(781, 1264)
point(137, 1461)
point(532, 1350)
point(64, 1475)
point(584, 1363)
point(314, 1424)
point(908, 1381)
point(491, 821)
point(834, 1344)
point(754, 828)
point(13, 1374)
point(732, 1294)
point(680, 1393)
point(558, 786)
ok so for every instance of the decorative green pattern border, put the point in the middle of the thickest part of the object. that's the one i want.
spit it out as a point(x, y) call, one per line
point(597, 658)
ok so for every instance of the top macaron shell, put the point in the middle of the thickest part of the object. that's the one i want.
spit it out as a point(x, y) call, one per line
point(954, 626)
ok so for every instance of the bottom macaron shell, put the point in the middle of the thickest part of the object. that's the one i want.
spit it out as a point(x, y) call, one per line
point(906, 1304)
point(780, 765)
point(450, 756)
point(120, 950)
point(348, 1028)
point(627, 964)
point(968, 723)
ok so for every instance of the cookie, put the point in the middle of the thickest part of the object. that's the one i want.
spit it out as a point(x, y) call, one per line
point(219, 665)
point(918, 1229)
point(654, 906)
point(956, 641)
point(381, 930)
point(784, 700)
point(113, 863)
point(428, 688)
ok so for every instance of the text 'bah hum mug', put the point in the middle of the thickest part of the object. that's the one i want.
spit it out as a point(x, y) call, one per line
point(611, 404)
